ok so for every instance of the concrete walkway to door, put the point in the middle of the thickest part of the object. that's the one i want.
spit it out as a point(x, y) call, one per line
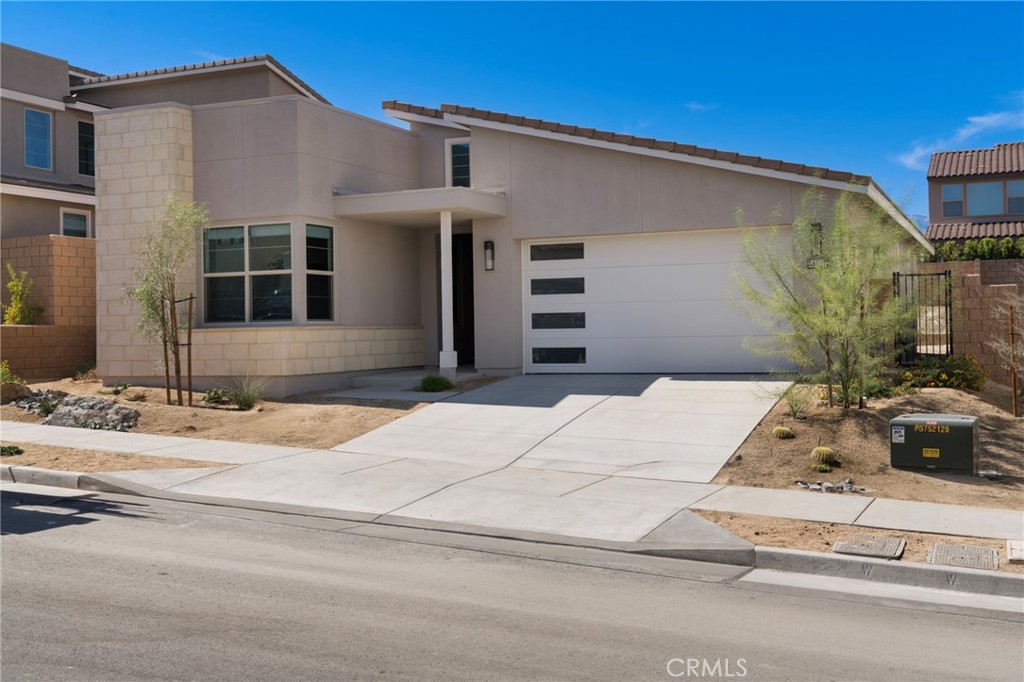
point(676, 428)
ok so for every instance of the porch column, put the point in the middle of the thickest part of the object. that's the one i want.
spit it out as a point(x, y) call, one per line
point(449, 360)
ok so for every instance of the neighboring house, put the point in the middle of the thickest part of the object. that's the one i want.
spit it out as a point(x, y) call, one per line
point(341, 244)
point(976, 193)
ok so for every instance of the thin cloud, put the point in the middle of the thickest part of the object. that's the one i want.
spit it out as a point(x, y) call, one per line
point(1001, 120)
point(701, 106)
point(208, 56)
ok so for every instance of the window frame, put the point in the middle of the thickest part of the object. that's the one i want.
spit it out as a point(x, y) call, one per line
point(64, 210)
point(49, 140)
point(319, 273)
point(1002, 198)
point(247, 273)
point(944, 201)
point(78, 138)
point(1016, 196)
point(448, 144)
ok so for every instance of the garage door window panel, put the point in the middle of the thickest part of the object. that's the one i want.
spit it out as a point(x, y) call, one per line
point(558, 320)
point(576, 355)
point(569, 251)
point(553, 286)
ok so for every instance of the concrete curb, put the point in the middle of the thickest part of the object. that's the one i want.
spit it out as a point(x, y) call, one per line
point(773, 558)
point(893, 572)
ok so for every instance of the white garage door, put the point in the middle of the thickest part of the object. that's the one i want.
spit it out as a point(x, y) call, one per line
point(639, 303)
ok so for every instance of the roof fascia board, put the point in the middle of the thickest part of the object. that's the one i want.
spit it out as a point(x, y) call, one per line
point(85, 106)
point(873, 192)
point(190, 72)
point(34, 100)
point(657, 153)
point(51, 194)
point(420, 118)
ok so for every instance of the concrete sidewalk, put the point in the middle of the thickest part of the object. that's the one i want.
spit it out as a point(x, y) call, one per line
point(600, 507)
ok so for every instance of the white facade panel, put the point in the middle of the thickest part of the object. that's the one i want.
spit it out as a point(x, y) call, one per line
point(652, 303)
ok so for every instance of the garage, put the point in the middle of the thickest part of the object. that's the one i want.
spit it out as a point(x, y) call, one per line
point(662, 303)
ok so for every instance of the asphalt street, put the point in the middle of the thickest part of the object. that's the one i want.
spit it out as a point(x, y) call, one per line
point(122, 588)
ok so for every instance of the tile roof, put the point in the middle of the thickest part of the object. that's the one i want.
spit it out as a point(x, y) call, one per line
point(85, 72)
point(1003, 158)
point(42, 184)
point(185, 68)
point(998, 230)
point(630, 140)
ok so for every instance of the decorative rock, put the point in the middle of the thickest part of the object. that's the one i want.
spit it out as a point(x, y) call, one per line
point(93, 413)
point(12, 390)
point(35, 400)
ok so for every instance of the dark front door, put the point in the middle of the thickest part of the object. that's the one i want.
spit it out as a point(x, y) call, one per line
point(462, 295)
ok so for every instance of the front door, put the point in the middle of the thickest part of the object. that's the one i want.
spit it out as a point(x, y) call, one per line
point(462, 296)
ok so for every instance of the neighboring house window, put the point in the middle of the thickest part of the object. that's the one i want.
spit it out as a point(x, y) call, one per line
point(1015, 196)
point(457, 162)
point(86, 148)
point(38, 147)
point(952, 201)
point(319, 272)
point(74, 223)
point(984, 198)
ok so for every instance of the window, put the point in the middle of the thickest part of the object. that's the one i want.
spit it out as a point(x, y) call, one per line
point(556, 251)
point(1015, 196)
point(952, 201)
point(558, 320)
point(86, 148)
point(984, 198)
point(559, 356)
point(37, 139)
point(457, 162)
point(248, 265)
point(557, 285)
point(319, 271)
point(74, 223)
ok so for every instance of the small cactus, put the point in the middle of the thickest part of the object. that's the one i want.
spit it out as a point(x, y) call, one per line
point(824, 455)
point(821, 468)
point(783, 432)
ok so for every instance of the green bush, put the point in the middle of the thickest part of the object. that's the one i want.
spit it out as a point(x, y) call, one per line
point(987, 248)
point(433, 383)
point(957, 371)
point(798, 398)
point(1008, 248)
point(7, 376)
point(10, 450)
point(246, 391)
point(821, 468)
point(19, 311)
point(216, 396)
point(115, 390)
point(47, 407)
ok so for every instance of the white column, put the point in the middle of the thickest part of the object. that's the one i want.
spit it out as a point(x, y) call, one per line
point(449, 360)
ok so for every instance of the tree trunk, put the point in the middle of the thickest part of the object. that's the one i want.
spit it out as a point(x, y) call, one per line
point(175, 346)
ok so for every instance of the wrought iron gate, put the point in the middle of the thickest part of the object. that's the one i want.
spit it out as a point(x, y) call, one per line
point(932, 334)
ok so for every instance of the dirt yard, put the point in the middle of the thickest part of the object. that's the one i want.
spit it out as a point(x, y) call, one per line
point(68, 459)
point(860, 439)
point(819, 537)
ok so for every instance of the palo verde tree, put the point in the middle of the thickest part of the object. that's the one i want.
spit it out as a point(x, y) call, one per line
point(165, 271)
point(822, 289)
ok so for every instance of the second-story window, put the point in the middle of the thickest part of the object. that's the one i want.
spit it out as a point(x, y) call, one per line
point(457, 162)
point(38, 144)
point(1015, 196)
point(952, 201)
point(86, 148)
point(984, 198)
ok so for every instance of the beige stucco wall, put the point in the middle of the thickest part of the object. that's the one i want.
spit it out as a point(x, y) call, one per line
point(25, 216)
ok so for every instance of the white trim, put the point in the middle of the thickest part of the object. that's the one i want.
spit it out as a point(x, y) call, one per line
point(51, 194)
point(871, 190)
point(205, 69)
point(24, 155)
point(64, 210)
point(35, 100)
point(450, 142)
point(410, 117)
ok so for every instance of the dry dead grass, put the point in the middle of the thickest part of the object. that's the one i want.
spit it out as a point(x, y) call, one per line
point(88, 461)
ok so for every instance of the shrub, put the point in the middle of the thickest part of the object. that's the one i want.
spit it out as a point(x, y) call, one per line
point(824, 455)
point(46, 407)
point(988, 249)
point(433, 383)
point(86, 372)
point(7, 376)
point(246, 391)
point(19, 311)
point(216, 396)
point(957, 371)
point(821, 468)
point(117, 389)
point(1007, 248)
point(798, 397)
point(783, 432)
point(10, 450)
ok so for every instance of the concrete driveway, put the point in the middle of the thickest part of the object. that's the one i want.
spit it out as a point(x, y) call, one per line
point(674, 428)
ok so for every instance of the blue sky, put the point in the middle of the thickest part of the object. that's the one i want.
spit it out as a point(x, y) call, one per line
point(870, 87)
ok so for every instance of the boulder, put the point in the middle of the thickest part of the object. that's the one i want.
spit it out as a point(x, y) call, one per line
point(93, 413)
point(11, 391)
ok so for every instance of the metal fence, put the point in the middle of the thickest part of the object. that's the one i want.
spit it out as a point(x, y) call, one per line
point(931, 295)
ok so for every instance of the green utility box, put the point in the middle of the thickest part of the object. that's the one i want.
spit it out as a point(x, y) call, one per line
point(934, 441)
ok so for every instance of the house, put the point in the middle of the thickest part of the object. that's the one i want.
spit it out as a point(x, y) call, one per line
point(976, 193)
point(339, 244)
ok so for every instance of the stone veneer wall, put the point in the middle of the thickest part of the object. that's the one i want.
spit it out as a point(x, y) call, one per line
point(142, 155)
point(63, 272)
point(978, 288)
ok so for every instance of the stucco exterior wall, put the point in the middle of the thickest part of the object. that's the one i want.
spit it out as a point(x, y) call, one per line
point(252, 82)
point(25, 216)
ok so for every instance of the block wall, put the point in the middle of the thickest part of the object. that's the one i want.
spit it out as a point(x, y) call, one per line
point(63, 272)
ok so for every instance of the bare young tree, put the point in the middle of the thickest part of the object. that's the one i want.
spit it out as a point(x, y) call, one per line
point(165, 272)
point(1010, 348)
